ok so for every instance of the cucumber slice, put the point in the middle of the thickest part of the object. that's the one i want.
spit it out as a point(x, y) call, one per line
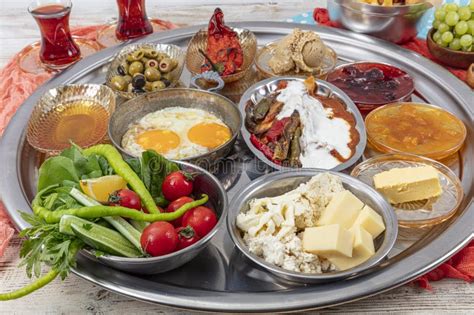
point(126, 229)
point(94, 237)
point(139, 225)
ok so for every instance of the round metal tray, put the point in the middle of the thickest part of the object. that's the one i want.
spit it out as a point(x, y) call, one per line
point(220, 278)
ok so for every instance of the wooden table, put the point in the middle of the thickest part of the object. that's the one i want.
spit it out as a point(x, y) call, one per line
point(75, 295)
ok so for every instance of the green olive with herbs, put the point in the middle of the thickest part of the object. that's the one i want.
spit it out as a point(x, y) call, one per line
point(138, 54)
point(127, 78)
point(152, 74)
point(152, 63)
point(148, 86)
point(166, 65)
point(157, 85)
point(118, 83)
point(135, 67)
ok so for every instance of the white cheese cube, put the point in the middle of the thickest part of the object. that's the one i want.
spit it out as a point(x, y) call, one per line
point(363, 250)
point(371, 221)
point(343, 209)
point(327, 240)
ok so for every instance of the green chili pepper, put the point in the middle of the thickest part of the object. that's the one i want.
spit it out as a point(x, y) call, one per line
point(44, 280)
point(125, 171)
point(106, 211)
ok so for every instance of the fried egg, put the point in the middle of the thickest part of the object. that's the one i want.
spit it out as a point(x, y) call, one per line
point(176, 133)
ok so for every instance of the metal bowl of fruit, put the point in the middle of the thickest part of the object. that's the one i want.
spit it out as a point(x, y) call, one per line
point(143, 68)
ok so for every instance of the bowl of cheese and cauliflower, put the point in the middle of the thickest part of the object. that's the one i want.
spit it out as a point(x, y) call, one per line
point(312, 225)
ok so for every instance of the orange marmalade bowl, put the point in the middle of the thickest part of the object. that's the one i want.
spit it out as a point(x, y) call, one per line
point(415, 128)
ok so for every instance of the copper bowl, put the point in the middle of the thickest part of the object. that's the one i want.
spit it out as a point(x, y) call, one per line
point(453, 58)
point(194, 59)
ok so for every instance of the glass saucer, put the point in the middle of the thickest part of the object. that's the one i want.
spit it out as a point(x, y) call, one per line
point(421, 213)
point(106, 35)
point(29, 60)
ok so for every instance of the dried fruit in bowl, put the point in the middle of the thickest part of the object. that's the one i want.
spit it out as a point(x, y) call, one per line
point(224, 52)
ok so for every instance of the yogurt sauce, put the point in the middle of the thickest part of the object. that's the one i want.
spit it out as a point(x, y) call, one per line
point(321, 132)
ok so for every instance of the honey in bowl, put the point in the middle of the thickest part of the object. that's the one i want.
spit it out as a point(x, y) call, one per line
point(420, 129)
point(78, 113)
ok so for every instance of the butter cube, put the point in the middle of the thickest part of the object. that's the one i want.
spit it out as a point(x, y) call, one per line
point(362, 251)
point(343, 209)
point(371, 221)
point(401, 185)
point(327, 240)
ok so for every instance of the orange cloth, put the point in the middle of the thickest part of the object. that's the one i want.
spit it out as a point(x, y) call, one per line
point(15, 87)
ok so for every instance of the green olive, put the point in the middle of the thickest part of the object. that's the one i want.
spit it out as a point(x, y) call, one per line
point(152, 63)
point(122, 69)
point(135, 67)
point(127, 78)
point(151, 53)
point(166, 65)
point(118, 83)
point(148, 86)
point(157, 85)
point(166, 76)
point(144, 60)
point(130, 88)
point(152, 74)
point(138, 54)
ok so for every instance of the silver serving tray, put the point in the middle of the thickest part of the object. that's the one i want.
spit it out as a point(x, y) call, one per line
point(220, 278)
point(259, 90)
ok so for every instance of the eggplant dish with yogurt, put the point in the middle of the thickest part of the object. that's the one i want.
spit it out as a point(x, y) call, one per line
point(295, 127)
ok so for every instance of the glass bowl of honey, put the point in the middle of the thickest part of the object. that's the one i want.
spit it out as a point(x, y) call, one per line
point(415, 128)
point(77, 113)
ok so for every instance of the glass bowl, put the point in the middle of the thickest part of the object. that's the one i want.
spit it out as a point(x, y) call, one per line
point(194, 59)
point(265, 53)
point(420, 213)
point(78, 112)
point(415, 128)
point(172, 51)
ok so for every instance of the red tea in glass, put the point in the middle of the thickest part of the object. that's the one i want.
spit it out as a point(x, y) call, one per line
point(58, 49)
point(133, 21)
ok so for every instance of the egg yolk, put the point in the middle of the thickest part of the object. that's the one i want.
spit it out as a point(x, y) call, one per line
point(161, 141)
point(209, 135)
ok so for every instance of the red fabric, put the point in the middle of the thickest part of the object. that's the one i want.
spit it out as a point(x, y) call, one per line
point(461, 265)
point(15, 87)
point(321, 16)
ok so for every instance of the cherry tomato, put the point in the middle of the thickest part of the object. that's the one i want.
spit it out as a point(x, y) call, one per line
point(186, 237)
point(125, 198)
point(175, 205)
point(159, 238)
point(177, 184)
point(201, 219)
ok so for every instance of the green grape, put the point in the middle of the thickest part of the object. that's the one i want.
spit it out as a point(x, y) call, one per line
point(443, 27)
point(452, 18)
point(461, 28)
point(471, 26)
point(436, 24)
point(467, 49)
point(447, 37)
point(471, 5)
point(464, 13)
point(436, 36)
point(451, 7)
point(466, 40)
point(440, 14)
point(441, 43)
point(455, 44)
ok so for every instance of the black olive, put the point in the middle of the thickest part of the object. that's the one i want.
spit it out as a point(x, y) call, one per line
point(166, 82)
point(121, 70)
point(138, 81)
point(138, 91)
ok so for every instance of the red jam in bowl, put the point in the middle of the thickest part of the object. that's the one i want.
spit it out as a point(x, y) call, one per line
point(371, 85)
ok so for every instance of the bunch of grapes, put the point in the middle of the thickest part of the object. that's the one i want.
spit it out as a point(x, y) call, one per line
point(455, 26)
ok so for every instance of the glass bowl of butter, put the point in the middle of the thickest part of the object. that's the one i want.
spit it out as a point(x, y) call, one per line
point(422, 191)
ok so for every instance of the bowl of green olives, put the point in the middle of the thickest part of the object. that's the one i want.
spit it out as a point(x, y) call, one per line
point(142, 68)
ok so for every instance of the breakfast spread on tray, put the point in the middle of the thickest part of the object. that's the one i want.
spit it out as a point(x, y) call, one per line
point(296, 127)
point(391, 2)
point(317, 227)
point(176, 133)
point(149, 213)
